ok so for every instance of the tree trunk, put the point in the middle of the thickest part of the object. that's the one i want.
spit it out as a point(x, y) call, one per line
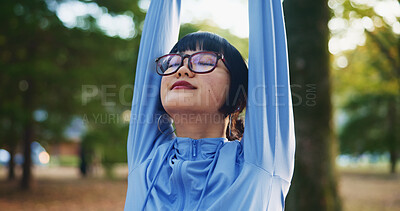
point(26, 181)
point(314, 186)
point(83, 167)
point(26, 167)
point(392, 138)
point(11, 164)
point(12, 141)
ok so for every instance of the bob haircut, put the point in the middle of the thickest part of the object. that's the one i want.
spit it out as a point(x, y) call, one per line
point(237, 97)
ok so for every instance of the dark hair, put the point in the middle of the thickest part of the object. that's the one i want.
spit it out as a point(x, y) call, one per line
point(237, 97)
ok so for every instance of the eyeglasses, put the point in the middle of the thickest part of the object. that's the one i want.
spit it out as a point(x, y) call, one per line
point(200, 62)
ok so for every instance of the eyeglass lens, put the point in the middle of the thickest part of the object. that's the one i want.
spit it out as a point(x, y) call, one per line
point(199, 62)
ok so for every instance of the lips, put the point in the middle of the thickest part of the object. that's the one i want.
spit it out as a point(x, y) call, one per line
point(182, 85)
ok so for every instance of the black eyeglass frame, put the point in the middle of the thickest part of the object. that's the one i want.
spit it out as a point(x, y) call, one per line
point(219, 56)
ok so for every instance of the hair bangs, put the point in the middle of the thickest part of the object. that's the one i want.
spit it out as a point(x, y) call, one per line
point(201, 41)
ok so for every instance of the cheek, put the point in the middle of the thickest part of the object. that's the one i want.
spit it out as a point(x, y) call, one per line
point(163, 88)
point(217, 90)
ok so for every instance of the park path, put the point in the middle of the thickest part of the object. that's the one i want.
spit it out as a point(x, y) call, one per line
point(62, 188)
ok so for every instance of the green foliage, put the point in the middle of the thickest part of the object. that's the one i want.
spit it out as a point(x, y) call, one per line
point(108, 139)
point(48, 63)
point(240, 43)
point(367, 128)
point(67, 160)
point(367, 89)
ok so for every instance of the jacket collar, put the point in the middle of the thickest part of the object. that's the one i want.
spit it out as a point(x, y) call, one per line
point(197, 149)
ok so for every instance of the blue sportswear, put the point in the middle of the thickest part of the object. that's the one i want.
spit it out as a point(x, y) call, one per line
point(179, 173)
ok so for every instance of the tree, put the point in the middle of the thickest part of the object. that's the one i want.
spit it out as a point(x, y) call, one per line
point(370, 125)
point(45, 64)
point(109, 142)
point(208, 25)
point(314, 186)
point(369, 82)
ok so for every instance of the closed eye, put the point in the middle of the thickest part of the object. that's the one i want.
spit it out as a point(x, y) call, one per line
point(206, 63)
point(173, 65)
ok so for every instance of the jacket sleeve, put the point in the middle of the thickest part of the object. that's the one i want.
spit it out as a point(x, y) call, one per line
point(268, 140)
point(160, 33)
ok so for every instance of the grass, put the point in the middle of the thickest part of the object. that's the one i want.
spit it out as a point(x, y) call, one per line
point(65, 160)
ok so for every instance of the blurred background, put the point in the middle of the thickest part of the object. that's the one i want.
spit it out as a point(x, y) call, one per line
point(67, 70)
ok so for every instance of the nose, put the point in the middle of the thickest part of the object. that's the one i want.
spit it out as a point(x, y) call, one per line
point(184, 70)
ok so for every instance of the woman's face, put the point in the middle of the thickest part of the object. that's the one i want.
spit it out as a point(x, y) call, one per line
point(207, 95)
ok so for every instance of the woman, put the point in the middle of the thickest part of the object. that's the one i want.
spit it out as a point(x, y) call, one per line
point(202, 89)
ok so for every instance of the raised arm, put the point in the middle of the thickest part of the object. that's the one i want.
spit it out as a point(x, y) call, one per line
point(269, 141)
point(160, 32)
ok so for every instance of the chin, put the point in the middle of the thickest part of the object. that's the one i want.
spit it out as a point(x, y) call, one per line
point(186, 103)
point(182, 109)
point(180, 100)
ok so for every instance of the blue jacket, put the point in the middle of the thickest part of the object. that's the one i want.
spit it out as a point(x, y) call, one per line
point(179, 173)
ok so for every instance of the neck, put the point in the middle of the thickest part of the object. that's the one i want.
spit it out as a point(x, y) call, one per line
point(197, 126)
